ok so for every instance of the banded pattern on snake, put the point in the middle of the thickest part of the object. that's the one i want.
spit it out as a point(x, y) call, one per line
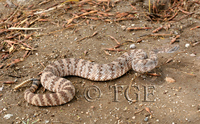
point(63, 89)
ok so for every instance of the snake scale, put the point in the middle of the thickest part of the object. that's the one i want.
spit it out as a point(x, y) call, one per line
point(64, 91)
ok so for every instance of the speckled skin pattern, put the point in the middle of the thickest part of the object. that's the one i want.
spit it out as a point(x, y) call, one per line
point(63, 89)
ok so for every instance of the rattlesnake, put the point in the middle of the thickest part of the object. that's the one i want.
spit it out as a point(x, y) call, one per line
point(52, 80)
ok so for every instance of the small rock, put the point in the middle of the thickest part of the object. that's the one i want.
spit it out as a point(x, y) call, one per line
point(176, 32)
point(187, 45)
point(123, 27)
point(169, 80)
point(1, 88)
point(15, 80)
point(133, 117)
point(125, 108)
point(75, 38)
point(4, 109)
point(165, 92)
point(7, 116)
point(192, 54)
point(146, 119)
point(46, 121)
point(132, 46)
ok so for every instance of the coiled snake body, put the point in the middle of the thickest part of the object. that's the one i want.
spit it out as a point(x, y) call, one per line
point(63, 89)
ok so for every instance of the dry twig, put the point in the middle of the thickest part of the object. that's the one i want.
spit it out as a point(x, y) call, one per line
point(95, 33)
point(174, 39)
point(195, 28)
point(137, 28)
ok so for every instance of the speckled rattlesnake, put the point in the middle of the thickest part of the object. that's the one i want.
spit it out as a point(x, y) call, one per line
point(52, 80)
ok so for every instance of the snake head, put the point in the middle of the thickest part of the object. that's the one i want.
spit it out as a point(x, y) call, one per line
point(144, 65)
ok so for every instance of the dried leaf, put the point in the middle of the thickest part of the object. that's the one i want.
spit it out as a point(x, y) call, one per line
point(24, 48)
point(106, 52)
point(70, 20)
point(26, 53)
point(8, 82)
point(94, 33)
point(5, 56)
point(153, 74)
point(169, 60)
point(114, 39)
point(43, 20)
point(10, 42)
point(148, 110)
point(119, 15)
point(14, 62)
point(11, 49)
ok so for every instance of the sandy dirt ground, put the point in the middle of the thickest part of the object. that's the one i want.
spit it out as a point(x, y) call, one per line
point(148, 99)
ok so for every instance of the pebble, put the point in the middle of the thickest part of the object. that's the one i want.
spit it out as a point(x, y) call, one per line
point(123, 27)
point(192, 55)
point(187, 45)
point(4, 109)
point(132, 46)
point(1, 88)
point(132, 24)
point(15, 80)
point(7, 116)
point(46, 121)
point(176, 32)
point(146, 119)
point(165, 92)
point(169, 80)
